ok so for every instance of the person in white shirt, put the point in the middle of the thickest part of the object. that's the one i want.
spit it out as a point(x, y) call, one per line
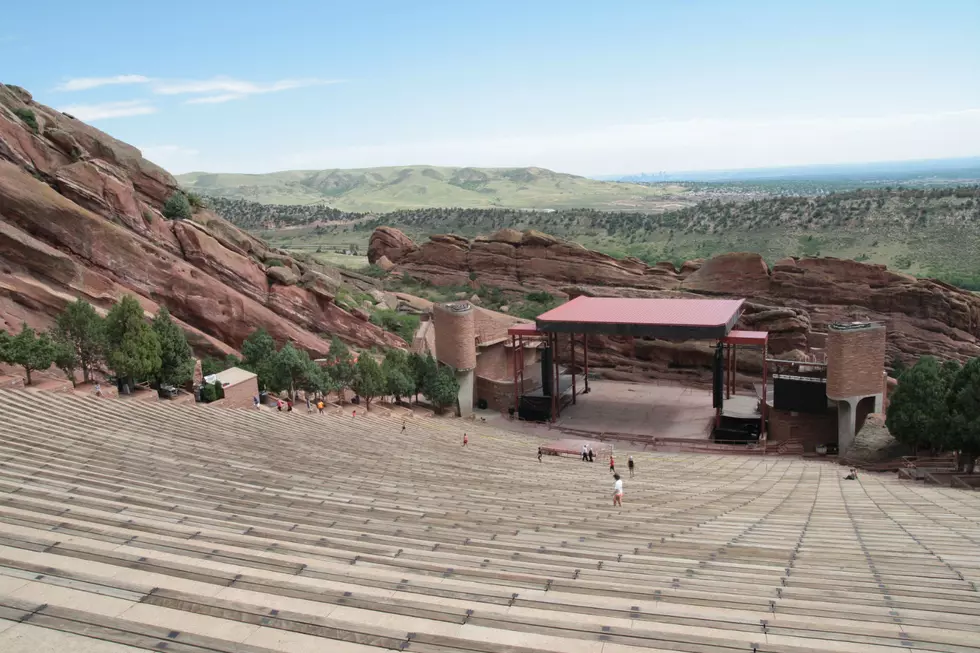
point(618, 491)
point(585, 453)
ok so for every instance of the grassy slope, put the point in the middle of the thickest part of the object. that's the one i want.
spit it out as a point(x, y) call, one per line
point(407, 187)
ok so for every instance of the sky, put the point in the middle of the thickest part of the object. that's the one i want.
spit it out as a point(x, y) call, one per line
point(591, 88)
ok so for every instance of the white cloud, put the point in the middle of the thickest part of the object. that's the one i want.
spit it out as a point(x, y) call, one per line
point(89, 112)
point(228, 89)
point(215, 99)
point(85, 83)
point(683, 145)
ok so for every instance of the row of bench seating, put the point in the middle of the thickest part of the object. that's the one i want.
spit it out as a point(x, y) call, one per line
point(194, 528)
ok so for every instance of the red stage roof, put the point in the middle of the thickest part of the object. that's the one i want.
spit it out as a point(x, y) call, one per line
point(746, 338)
point(676, 319)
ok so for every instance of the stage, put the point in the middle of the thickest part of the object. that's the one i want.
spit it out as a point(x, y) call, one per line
point(651, 408)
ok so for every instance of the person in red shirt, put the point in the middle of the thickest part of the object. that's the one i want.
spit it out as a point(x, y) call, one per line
point(612, 464)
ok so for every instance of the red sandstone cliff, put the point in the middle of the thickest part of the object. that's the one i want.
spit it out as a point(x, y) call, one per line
point(80, 217)
point(795, 300)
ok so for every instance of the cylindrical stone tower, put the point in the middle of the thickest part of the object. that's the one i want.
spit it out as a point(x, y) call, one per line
point(455, 335)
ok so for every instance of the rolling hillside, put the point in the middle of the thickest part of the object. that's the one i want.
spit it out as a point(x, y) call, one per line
point(388, 189)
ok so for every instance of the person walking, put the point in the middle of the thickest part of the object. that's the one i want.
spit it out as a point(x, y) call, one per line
point(465, 439)
point(403, 425)
point(309, 405)
point(629, 463)
point(617, 491)
point(255, 401)
point(539, 454)
point(585, 453)
point(279, 405)
point(612, 464)
point(319, 406)
point(289, 405)
point(591, 457)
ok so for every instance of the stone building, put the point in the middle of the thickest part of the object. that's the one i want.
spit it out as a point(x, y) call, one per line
point(240, 387)
point(474, 341)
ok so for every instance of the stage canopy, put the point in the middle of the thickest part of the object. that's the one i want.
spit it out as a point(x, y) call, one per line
point(670, 319)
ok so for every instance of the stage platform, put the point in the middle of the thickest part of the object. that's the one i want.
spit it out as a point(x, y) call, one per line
point(651, 408)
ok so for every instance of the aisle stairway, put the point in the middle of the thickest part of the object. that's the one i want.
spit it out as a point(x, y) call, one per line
point(128, 525)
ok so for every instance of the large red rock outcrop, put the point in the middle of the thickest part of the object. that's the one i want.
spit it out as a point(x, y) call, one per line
point(80, 216)
point(795, 301)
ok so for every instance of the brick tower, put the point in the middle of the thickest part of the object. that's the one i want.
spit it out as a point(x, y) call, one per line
point(456, 346)
point(855, 367)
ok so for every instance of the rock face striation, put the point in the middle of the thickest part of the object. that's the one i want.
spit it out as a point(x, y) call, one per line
point(80, 216)
point(795, 300)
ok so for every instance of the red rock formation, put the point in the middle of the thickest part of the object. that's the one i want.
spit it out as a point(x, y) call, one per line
point(795, 301)
point(80, 217)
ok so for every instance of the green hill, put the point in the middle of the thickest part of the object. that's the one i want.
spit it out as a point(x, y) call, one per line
point(416, 187)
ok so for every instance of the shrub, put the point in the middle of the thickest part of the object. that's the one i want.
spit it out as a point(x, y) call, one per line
point(28, 117)
point(274, 263)
point(401, 324)
point(196, 201)
point(539, 296)
point(148, 216)
point(177, 207)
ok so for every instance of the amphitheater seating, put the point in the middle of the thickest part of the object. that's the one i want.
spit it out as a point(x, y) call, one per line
point(142, 525)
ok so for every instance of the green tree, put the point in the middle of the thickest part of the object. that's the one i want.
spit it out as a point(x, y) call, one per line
point(340, 365)
point(289, 369)
point(369, 382)
point(65, 358)
point(32, 351)
point(917, 412)
point(133, 349)
point(399, 381)
point(963, 433)
point(176, 356)
point(443, 389)
point(424, 369)
point(82, 329)
point(211, 365)
point(5, 347)
point(177, 207)
point(258, 350)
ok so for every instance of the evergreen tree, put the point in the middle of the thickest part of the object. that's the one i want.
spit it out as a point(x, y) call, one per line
point(177, 207)
point(289, 369)
point(399, 381)
point(258, 350)
point(917, 411)
point(30, 350)
point(81, 328)
point(133, 349)
point(443, 388)
point(963, 434)
point(65, 358)
point(176, 357)
point(5, 339)
point(424, 369)
point(341, 365)
point(369, 382)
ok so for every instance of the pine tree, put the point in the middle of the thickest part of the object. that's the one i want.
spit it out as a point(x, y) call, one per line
point(963, 402)
point(288, 369)
point(65, 358)
point(399, 381)
point(369, 382)
point(133, 349)
point(81, 328)
point(177, 207)
point(341, 365)
point(443, 388)
point(30, 350)
point(917, 411)
point(176, 356)
point(258, 350)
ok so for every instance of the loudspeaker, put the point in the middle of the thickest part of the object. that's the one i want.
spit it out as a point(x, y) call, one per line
point(718, 378)
point(547, 372)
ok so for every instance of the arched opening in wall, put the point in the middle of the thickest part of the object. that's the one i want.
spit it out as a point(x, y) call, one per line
point(864, 408)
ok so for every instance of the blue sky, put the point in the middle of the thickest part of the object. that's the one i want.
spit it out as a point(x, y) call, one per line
point(590, 88)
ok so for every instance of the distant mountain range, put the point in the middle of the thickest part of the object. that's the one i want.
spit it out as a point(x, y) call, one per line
point(962, 170)
point(419, 187)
